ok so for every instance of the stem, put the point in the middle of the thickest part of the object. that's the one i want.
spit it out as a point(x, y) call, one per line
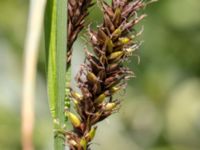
point(61, 18)
point(55, 40)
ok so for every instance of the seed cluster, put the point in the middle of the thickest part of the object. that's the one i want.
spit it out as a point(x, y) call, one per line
point(103, 73)
point(77, 11)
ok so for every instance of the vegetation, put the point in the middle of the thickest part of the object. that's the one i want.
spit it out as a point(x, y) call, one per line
point(161, 105)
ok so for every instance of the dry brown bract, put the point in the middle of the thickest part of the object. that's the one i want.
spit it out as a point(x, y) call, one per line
point(77, 11)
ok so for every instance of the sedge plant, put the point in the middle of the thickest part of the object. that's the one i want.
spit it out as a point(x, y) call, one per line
point(104, 72)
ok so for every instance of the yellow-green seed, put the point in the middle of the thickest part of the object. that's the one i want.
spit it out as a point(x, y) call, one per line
point(92, 77)
point(117, 15)
point(74, 119)
point(110, 106)
point(110, 45)
point(115, 55)
point(76, 95)
point(115, 89)
point(117, 32)
point(124, 40)
point(91, 134)
point(100, 98)
point(83, 143)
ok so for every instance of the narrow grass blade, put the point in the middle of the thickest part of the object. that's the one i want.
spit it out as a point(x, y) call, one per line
point(55, 40)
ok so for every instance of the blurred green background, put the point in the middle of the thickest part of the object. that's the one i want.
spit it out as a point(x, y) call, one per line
point(161, 110)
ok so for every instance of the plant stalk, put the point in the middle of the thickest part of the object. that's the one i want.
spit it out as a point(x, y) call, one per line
point(61, 18)
point(55, 40)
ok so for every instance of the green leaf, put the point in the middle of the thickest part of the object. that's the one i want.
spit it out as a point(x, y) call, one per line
point(56, 41)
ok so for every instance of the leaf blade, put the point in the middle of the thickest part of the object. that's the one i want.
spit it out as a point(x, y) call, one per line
point(55, 41)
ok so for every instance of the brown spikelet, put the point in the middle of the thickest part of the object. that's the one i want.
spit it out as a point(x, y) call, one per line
point(77, 11)
point(104, 72)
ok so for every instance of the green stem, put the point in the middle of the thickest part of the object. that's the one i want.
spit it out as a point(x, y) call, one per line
point(55, 40)
point(61, 54)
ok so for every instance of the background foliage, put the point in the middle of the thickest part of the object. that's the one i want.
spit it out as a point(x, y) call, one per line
point(162, 107)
